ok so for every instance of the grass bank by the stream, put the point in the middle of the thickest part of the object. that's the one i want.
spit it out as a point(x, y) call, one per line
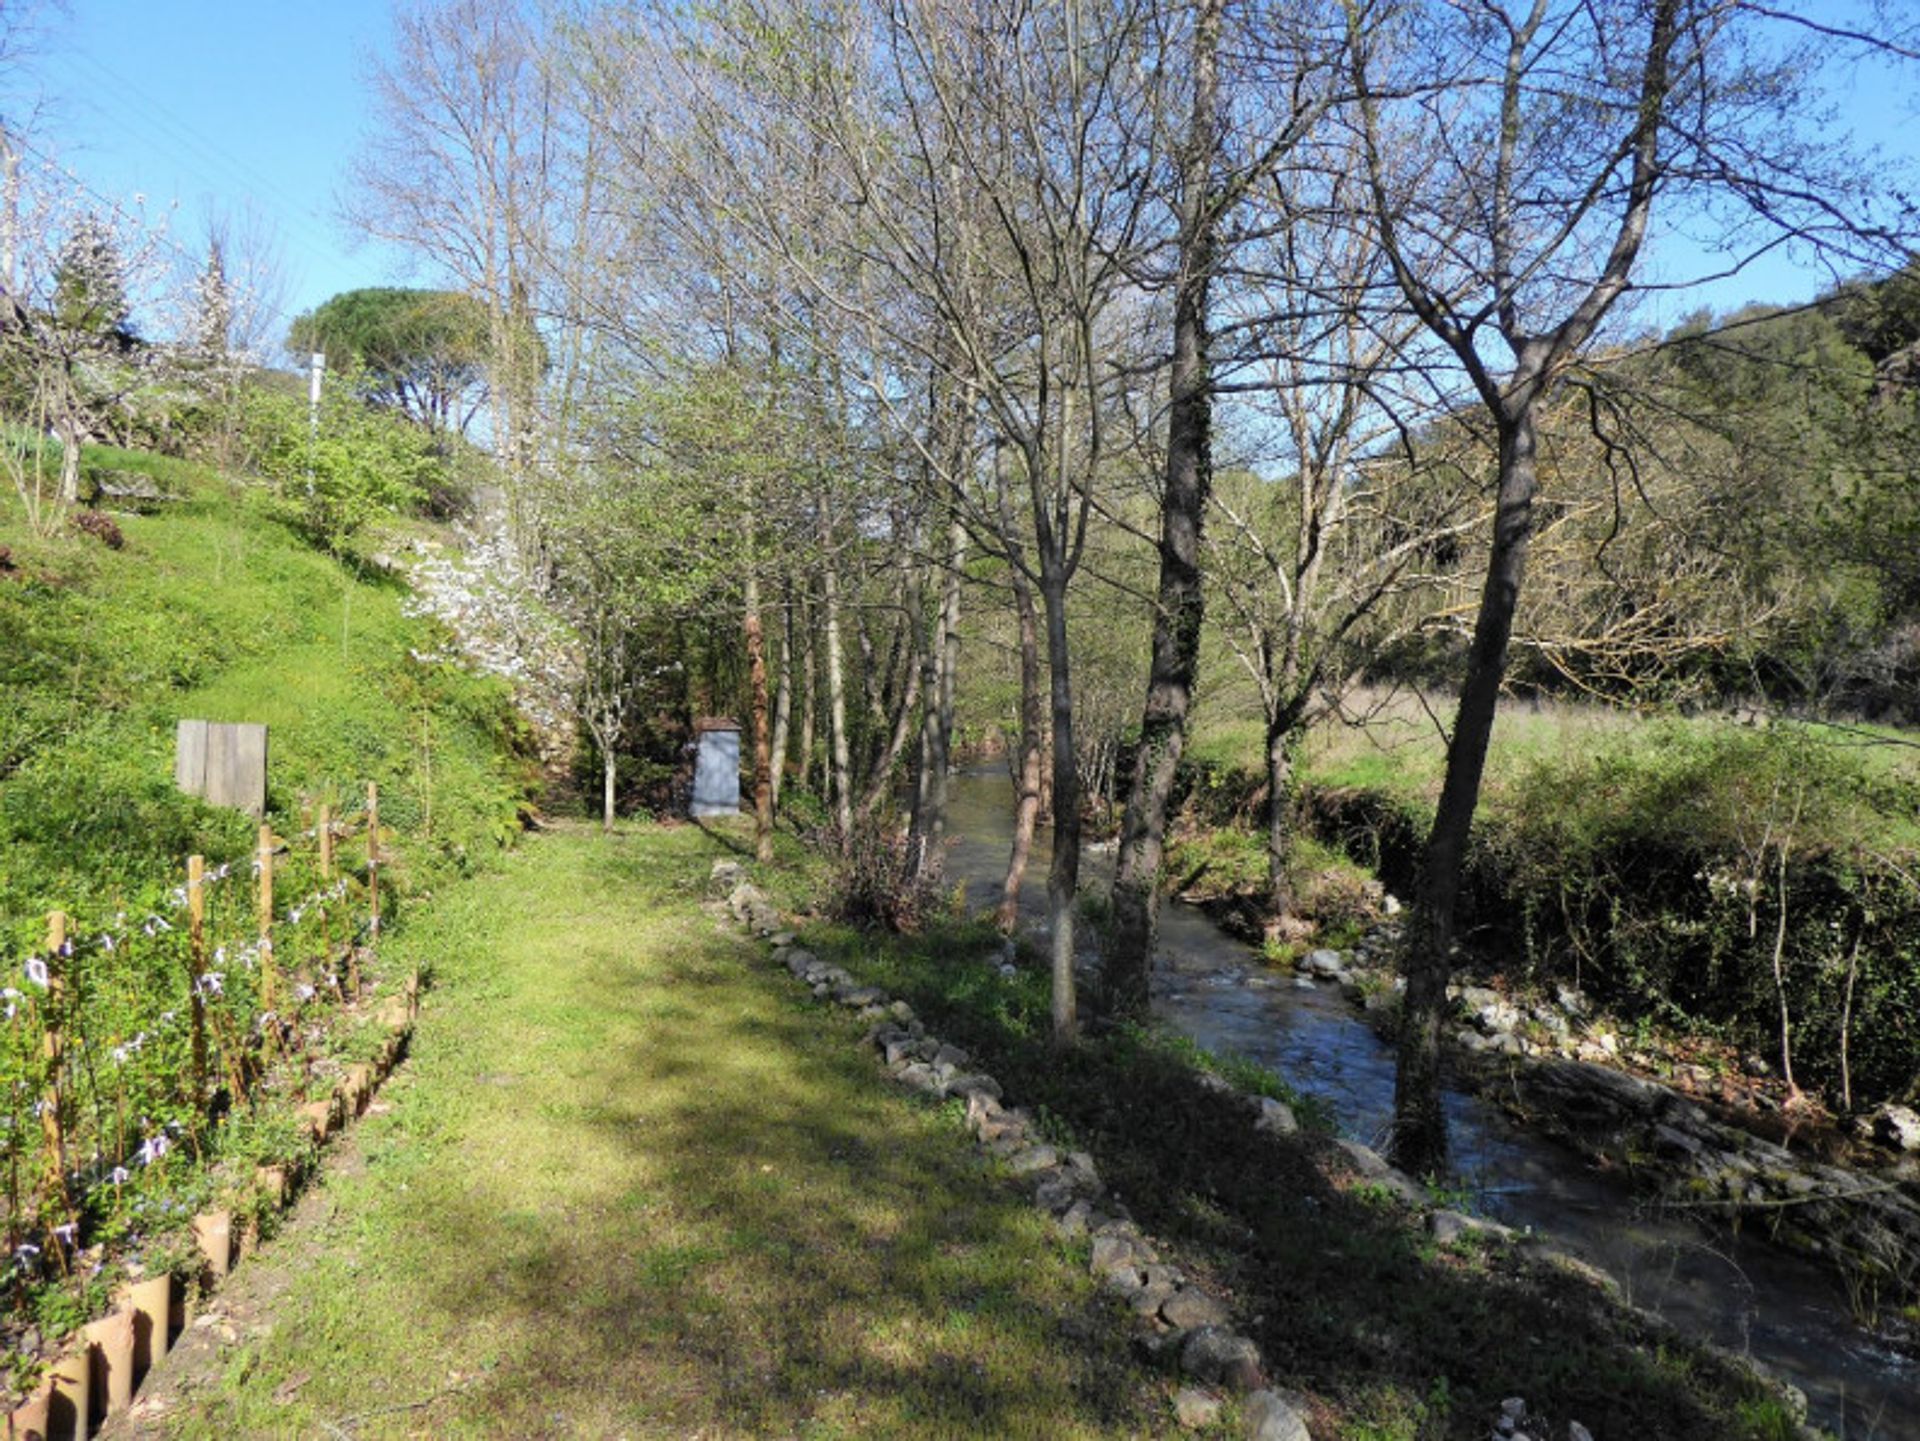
point(1393, 1336)
point(631, 1185)
point(1693, 876)
point(217, 608)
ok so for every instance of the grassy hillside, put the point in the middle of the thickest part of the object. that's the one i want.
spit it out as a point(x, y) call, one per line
point(216, 609)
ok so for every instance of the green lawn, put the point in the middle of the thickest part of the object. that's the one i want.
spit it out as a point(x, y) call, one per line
point(632, 1183)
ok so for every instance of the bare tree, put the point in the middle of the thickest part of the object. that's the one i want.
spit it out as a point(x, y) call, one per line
point(466, 166)
point(1515, 155)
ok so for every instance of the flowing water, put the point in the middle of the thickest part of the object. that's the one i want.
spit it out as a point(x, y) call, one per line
point(1785, 1311)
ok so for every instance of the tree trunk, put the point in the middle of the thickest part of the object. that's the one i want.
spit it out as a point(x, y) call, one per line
point(1419, 1143)
point(899, 725)
point(71, 438)
point(783, 698)
point(930, 816)
point(1063, 878)
point(809, 700)
point(762, 745)
point(842, 769)
point(1026, 776)
point(1182, 602)
point(1283, 739)
point(609, 768)
point(918, 822)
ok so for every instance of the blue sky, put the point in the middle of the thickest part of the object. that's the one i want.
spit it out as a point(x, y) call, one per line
point(227, 103)
point(258, 103)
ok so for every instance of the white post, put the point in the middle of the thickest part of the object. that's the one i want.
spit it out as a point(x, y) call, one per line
point(315, 374)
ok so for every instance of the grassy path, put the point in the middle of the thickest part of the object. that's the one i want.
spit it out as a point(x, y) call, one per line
point(629, 1186)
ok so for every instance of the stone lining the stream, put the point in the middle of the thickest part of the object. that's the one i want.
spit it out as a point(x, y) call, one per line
point(1867, 1223)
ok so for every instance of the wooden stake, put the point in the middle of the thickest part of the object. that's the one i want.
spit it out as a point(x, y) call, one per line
point(326, 842)
point(373, 860)
point(197, 967)
point(267, 986)
point(373, 891)
point(55, 1050)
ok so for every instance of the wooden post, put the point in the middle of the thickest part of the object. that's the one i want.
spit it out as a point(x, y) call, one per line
point(373, 855)
point(55, 1050)
point(267, 986)
point(196, 967)
point(325, 832)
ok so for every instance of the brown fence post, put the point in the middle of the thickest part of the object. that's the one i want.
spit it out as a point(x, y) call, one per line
point(196, 967)
point(267, 986)
point(55, 1051)
point(373, 878)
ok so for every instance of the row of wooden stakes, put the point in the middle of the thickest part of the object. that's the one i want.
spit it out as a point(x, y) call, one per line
point(100, 1374)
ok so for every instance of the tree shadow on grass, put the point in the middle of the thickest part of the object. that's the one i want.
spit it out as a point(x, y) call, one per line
point(769, 1241)
point(1345, 1297)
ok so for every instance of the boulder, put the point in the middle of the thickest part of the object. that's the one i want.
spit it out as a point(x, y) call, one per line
point(971, 1086)
point(1898, 1127)
point(1029, 1159)
point(1114, 1252)
point(1325, 964)
point(1079, 1218)
point(1213, 1354)
point(1276, 1118)
point(1151, 1296)
point(1274, 1416)
point(1192, 1307)
point(1195, 1409)
point(1373, 1167)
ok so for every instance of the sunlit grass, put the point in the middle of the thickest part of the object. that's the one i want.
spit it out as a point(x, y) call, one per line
point(634, 1185)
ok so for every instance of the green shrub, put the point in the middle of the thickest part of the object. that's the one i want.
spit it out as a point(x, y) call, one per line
point(356, 466)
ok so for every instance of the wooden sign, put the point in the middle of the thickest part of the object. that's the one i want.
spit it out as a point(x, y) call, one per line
point(225, 765)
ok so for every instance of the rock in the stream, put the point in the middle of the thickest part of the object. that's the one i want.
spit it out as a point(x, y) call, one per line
point(1577, 1432)
point(1898, 1127)
point(1325, 964)
point(1273, 1416)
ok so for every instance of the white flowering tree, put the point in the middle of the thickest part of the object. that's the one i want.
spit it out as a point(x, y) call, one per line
point(484, 596)
point(69, 353)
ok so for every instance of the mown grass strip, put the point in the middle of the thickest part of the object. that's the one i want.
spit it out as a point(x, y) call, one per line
point(632, 1187)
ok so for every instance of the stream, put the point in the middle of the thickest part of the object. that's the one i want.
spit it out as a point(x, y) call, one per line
point(1785, 1311)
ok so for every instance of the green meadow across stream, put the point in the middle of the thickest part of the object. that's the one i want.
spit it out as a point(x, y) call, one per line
point(1787, 1312)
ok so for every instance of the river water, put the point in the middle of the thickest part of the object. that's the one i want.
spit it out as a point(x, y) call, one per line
point(1782, 1309)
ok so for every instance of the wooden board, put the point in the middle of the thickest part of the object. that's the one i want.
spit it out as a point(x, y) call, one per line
point(225, 764)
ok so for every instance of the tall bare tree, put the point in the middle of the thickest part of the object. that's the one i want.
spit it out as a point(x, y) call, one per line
point(1515, 156)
